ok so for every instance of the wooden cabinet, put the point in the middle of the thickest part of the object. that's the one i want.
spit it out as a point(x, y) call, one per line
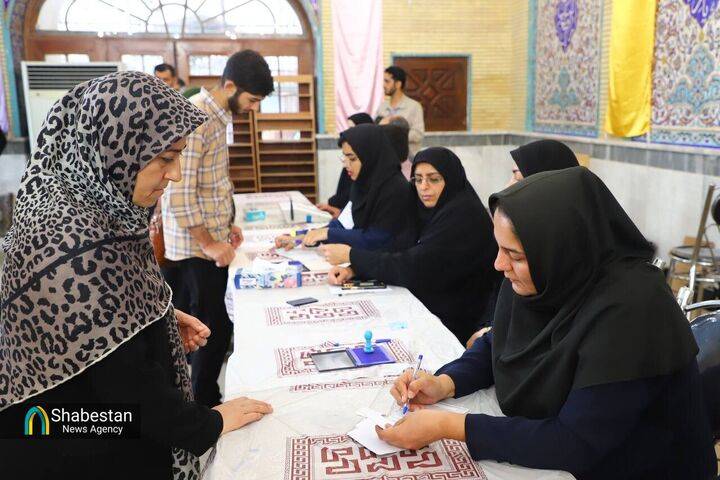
point(286, 149)
point(274, 152)
point(243, 154)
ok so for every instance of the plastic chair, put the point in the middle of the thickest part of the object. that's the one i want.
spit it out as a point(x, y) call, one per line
point(706, 329)
point(703, 262)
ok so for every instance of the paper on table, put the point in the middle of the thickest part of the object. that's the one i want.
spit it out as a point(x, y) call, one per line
point(365, 434)
point(310, 258)
point(337, 290)
point(346, 218)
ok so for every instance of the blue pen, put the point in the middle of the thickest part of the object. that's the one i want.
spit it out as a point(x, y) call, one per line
point(406, 407)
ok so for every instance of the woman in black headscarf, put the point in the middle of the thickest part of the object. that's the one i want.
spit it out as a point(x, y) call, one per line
point(378, 197)
point(85, 315)
point(541, 156)
point(342, 193)
point(592, 360)
point(447, 257)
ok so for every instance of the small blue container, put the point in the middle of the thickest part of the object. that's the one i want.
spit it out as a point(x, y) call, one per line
point(254, 215)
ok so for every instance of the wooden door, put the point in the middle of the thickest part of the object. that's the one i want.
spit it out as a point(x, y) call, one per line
point(440, 85)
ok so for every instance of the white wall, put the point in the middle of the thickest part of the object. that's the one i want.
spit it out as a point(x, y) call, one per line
point(12, 168)
point(665, 204)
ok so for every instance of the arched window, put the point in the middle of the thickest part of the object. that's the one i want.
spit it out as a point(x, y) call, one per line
point(174, 18)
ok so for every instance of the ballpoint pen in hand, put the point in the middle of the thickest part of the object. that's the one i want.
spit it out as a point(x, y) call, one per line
point(406, 407)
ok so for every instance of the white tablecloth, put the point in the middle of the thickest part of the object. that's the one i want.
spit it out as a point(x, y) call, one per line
point(305, 437)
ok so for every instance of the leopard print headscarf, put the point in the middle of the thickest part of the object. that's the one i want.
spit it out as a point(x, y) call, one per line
point(80, 277)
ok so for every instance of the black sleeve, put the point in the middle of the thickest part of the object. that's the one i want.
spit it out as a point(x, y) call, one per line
point(390, 211)
point(473, 370)
point(416, 267)
point(133, 375)
point(592, 422)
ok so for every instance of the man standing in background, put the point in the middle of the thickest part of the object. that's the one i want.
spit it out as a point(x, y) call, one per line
point(400, 105)
point(167, 74)
point(198, 212)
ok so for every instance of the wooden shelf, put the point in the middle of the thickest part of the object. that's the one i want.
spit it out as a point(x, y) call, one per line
point(287, 174)
point(285, 164)
point(285, 152)
point(258, 164)
point(280, 142)
point(287, 186)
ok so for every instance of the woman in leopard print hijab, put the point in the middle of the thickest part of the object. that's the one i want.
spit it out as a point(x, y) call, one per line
point(85, 313)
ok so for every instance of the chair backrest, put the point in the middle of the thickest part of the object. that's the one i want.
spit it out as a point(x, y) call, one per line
point(715, 210)
point(706, 329)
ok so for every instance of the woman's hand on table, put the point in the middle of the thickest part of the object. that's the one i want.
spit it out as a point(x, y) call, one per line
point(286, 242)
point(325, 207)
point(236, 236)
point(336, 253)
point(426, 389)
point(313, 237)
point(239, 412)
point(419, 429)
point(193, 332)
point(340, 275)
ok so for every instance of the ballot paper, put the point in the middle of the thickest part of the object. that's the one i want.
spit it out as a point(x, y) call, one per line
point(346, 218)
point(365, 434)
point(309, 257)
point(338, 290)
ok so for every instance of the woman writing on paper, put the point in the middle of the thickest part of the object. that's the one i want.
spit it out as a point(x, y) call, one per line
point(448, 252)
point(379, 193)
point(592, 360)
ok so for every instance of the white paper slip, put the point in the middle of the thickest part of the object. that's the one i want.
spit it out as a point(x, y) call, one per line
point(379, 419)
point(338, 290)
point(365, 434)
point(346, 218)
point(308, 257)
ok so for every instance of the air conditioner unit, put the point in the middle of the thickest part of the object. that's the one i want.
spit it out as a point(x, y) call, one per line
point(45, 83)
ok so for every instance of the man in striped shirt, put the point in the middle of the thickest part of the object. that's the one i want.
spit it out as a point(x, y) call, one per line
point(198, 213)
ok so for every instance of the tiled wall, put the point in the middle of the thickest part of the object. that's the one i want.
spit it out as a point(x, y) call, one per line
point(568, 82)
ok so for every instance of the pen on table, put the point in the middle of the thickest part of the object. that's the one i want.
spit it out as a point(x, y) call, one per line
point(292, 210)
point(294, 233)
point(406, 407)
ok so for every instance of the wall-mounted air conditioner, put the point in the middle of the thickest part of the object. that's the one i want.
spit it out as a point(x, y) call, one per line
point(45, 83)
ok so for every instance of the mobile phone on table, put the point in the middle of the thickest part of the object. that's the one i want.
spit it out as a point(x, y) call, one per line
point(302, 301)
